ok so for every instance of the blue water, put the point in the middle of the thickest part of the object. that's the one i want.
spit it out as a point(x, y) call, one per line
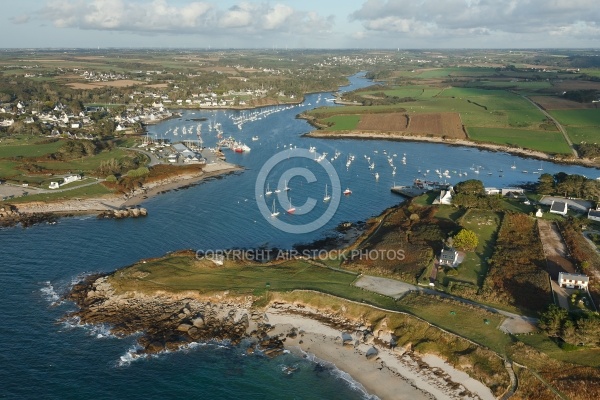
point(41, 357)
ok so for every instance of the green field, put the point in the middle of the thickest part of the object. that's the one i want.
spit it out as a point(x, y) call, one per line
point(27, 147)
point(343, 122)
point(79, 192)
point(485, 224)
point(549, 142)
point(584, 134)
point(584, 117)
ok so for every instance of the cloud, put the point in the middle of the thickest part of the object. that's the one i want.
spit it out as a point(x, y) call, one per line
point(195, 17)
point(20, 19)
point(455, 18)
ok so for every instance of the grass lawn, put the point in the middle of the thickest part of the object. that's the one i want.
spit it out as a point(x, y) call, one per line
point(485, 224)
point(79, 192)
point(459, 319)
point(587, 134)
point(343, 122)
point(584, 117)
point(27, 147)
point(85, 163)
point(449, 212)
point(581, 355)
point(549, 142)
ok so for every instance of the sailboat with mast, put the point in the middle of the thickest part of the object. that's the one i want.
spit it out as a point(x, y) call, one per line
point(274, 212)
point(327, 197)
point(291, 208)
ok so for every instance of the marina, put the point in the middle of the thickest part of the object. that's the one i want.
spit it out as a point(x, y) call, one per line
point(200, 218)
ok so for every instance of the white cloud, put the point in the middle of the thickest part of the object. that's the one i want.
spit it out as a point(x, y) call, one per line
point(20, 19)
point(478, 17)
point(195, 17)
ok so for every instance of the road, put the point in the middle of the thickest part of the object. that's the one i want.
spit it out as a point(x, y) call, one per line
point(558, 125)
point(153, 159)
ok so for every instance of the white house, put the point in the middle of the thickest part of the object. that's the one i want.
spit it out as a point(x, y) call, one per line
point(573, 281)
point(491, 190)
point(53, 185)
point(594, 215)
point(558, 207)
point(539, 213)
point(445, 197)
point(448, 257)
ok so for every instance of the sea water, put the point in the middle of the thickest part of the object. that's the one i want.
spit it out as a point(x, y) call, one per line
point(44, 356)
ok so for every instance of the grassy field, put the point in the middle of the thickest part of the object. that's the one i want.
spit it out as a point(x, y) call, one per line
point(550, 142)
point(27, 147)
point(581, 356)
point(587, 134)
point(585, 117)
point(343, 122)
point(80, 192)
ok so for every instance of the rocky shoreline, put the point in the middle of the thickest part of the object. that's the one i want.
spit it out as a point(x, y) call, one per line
point(167, 321)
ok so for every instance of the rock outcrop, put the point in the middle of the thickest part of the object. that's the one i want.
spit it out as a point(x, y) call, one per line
point(167, 322)
point(125, 213)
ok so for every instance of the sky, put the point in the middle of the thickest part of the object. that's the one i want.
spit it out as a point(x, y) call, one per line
point(327, 24)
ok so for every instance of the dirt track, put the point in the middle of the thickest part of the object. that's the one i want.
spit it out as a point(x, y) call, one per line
point(555, 249)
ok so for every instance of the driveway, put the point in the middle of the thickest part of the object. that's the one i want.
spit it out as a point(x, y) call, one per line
point(555, 249)
point(387, 287)
point(561, 294)
point(573, 204)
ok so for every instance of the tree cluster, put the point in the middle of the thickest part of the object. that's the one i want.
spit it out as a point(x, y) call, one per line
point(574, 328)
point(569, 185)
point(471, 194)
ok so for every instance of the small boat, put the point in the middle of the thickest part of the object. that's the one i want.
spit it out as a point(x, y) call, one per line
point(376, 176)
point(255, 138)
point(291, 208)
point(327, 197)
point(513, 166)
point(269, 191)
point(274, 212)
point(347, 191)
point(285, 186)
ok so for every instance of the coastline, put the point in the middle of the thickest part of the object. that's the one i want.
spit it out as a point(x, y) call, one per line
point(166, 321)
point(382, 371)
point(113, 202)
point(452, 142)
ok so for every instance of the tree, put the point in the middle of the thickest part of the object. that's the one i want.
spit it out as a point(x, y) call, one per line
point(552, 320)
point(471, 186)
point(545, 184)
point(466, 240)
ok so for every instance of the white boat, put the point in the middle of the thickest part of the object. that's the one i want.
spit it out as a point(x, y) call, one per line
point(347, 192)
point(269, 191)
point(327, 197)
point(285, 186)
point(274, 212)
point(255, 138)
point(376, 176)
point(513, 166)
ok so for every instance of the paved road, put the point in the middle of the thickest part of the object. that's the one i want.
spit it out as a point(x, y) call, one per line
point(153, 159)
point(558, 125)
point(514, 323)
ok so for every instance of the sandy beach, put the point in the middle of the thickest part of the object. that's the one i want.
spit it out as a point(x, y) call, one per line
point(383, 371)
point(114, 202)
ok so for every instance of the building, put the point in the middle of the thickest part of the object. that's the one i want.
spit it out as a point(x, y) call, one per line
point(445, 197)
point(449, 257)
point(512, 191)
point(594, 215)
point(558, 207)
point(573, 281)
point(539, 213)
point(491, 190)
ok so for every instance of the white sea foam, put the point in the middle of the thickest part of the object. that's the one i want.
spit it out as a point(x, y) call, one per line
point(130, 356)
point(50, 294)
point(338, 373)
